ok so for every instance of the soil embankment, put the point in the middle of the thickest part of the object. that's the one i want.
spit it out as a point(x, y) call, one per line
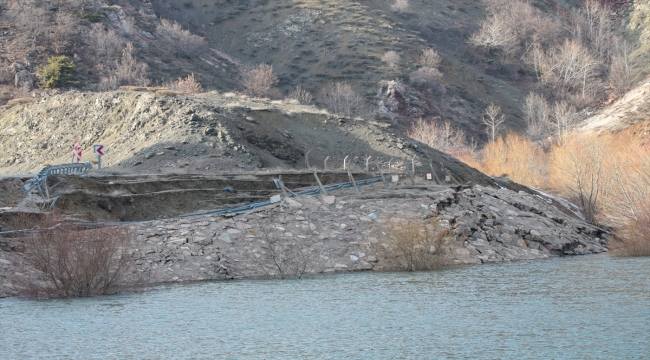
point(341, 233)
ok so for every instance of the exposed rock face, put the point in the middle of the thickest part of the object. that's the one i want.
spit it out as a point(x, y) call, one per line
point(337, 233)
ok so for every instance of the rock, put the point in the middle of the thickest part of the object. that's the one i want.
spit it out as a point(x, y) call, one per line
point(522, 243)
point(292, 203)
point(354, 258)
point(177, 240)
point(371, 259)
point(329, 200)
point(340, 266)
point(149, 155)
point(362, 265)
point(23, 79)
point(225, 238)
point(199, 240)
point(372, 216)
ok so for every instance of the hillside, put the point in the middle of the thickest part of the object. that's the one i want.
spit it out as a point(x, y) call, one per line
point(212, 132)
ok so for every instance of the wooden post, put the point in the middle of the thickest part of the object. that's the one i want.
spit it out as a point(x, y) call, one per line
point(284, 191)
point(353, 182)
point(322, 188)
point(381, 172)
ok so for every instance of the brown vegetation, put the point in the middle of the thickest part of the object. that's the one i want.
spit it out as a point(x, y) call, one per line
point(260, 81)
point(443, 137)
point(74, 262)
point(607, 175)
point(412, 245)
point(188, 85)
point(392, 59)
point(301, 95)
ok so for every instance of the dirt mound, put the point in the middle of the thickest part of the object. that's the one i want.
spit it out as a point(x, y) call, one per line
point(209, 133)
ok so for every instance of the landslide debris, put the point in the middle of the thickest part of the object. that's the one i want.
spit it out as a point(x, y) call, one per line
point(209, 133)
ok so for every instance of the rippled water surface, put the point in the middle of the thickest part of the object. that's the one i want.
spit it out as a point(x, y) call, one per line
point(582, 307)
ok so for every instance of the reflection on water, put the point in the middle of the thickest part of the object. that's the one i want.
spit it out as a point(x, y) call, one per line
point(582, 307)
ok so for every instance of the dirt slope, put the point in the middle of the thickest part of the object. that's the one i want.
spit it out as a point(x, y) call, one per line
point(210, 133)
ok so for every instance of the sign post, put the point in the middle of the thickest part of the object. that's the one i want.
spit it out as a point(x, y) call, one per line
point(99, 151)
point(76, 151)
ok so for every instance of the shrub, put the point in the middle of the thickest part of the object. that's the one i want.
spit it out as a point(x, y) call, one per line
point(400, 6)
point(188, 85)
point(73, 262)
point(425, 76)
point(59, 72)
point(180, 41)
point(518, 158)
point(301, 95)
point(442, 136)
point(429, 58)
point(391, 58)
point(89, 15)
point(260, 81)
point(412, 245)
point(341, 99)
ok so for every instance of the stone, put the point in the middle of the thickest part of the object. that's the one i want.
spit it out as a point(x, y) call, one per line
point(199, 240)
point(329, 200)
point(177, 240)
point(225, 238)
point(292, 203)
point(340, 266)
point(354, 258)
point(522, 243)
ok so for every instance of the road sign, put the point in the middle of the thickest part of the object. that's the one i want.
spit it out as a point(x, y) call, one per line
point(99, 150)
point(76, 151)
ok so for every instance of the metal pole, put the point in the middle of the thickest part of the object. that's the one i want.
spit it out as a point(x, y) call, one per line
point(367, 160)
point(307, 159)
point(345, 163)
point(99, 162)
point(322, 188)
point(325, 164)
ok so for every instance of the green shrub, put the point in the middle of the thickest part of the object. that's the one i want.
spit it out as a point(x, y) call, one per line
point(90, 16)
point(59, 72)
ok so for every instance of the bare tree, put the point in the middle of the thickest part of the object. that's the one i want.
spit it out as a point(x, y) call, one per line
point(303, 96)
point(392, 59)
point(62, 31)
point(595, 18)
point(287, 254)
point(128, 71)
point(621, 69)
point(538, 113)
point(428, 73)
point(564, 116)
point(400, 6)
point(75, 262)
point(106, 45)
point(429, 58)
point(178, 40)
point(343, 100)
point(493, 119)
point(442, 136)
point(572, 68)
point(260, 81)
point(33, 22)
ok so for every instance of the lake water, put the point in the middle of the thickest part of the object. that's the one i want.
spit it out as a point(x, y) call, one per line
point(579, 307)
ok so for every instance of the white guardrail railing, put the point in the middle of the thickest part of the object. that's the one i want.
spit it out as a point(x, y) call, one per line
point(42, 175)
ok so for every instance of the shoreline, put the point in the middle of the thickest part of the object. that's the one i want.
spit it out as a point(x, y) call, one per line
point(338, 234)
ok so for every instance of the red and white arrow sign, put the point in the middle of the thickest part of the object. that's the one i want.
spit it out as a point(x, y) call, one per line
point(76, 151)
point(99, 150)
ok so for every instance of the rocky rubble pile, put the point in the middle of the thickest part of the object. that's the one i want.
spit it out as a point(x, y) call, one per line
point(324, 234)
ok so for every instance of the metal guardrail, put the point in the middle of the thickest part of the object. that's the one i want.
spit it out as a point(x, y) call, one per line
point(254, 206)
point(52, 170)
